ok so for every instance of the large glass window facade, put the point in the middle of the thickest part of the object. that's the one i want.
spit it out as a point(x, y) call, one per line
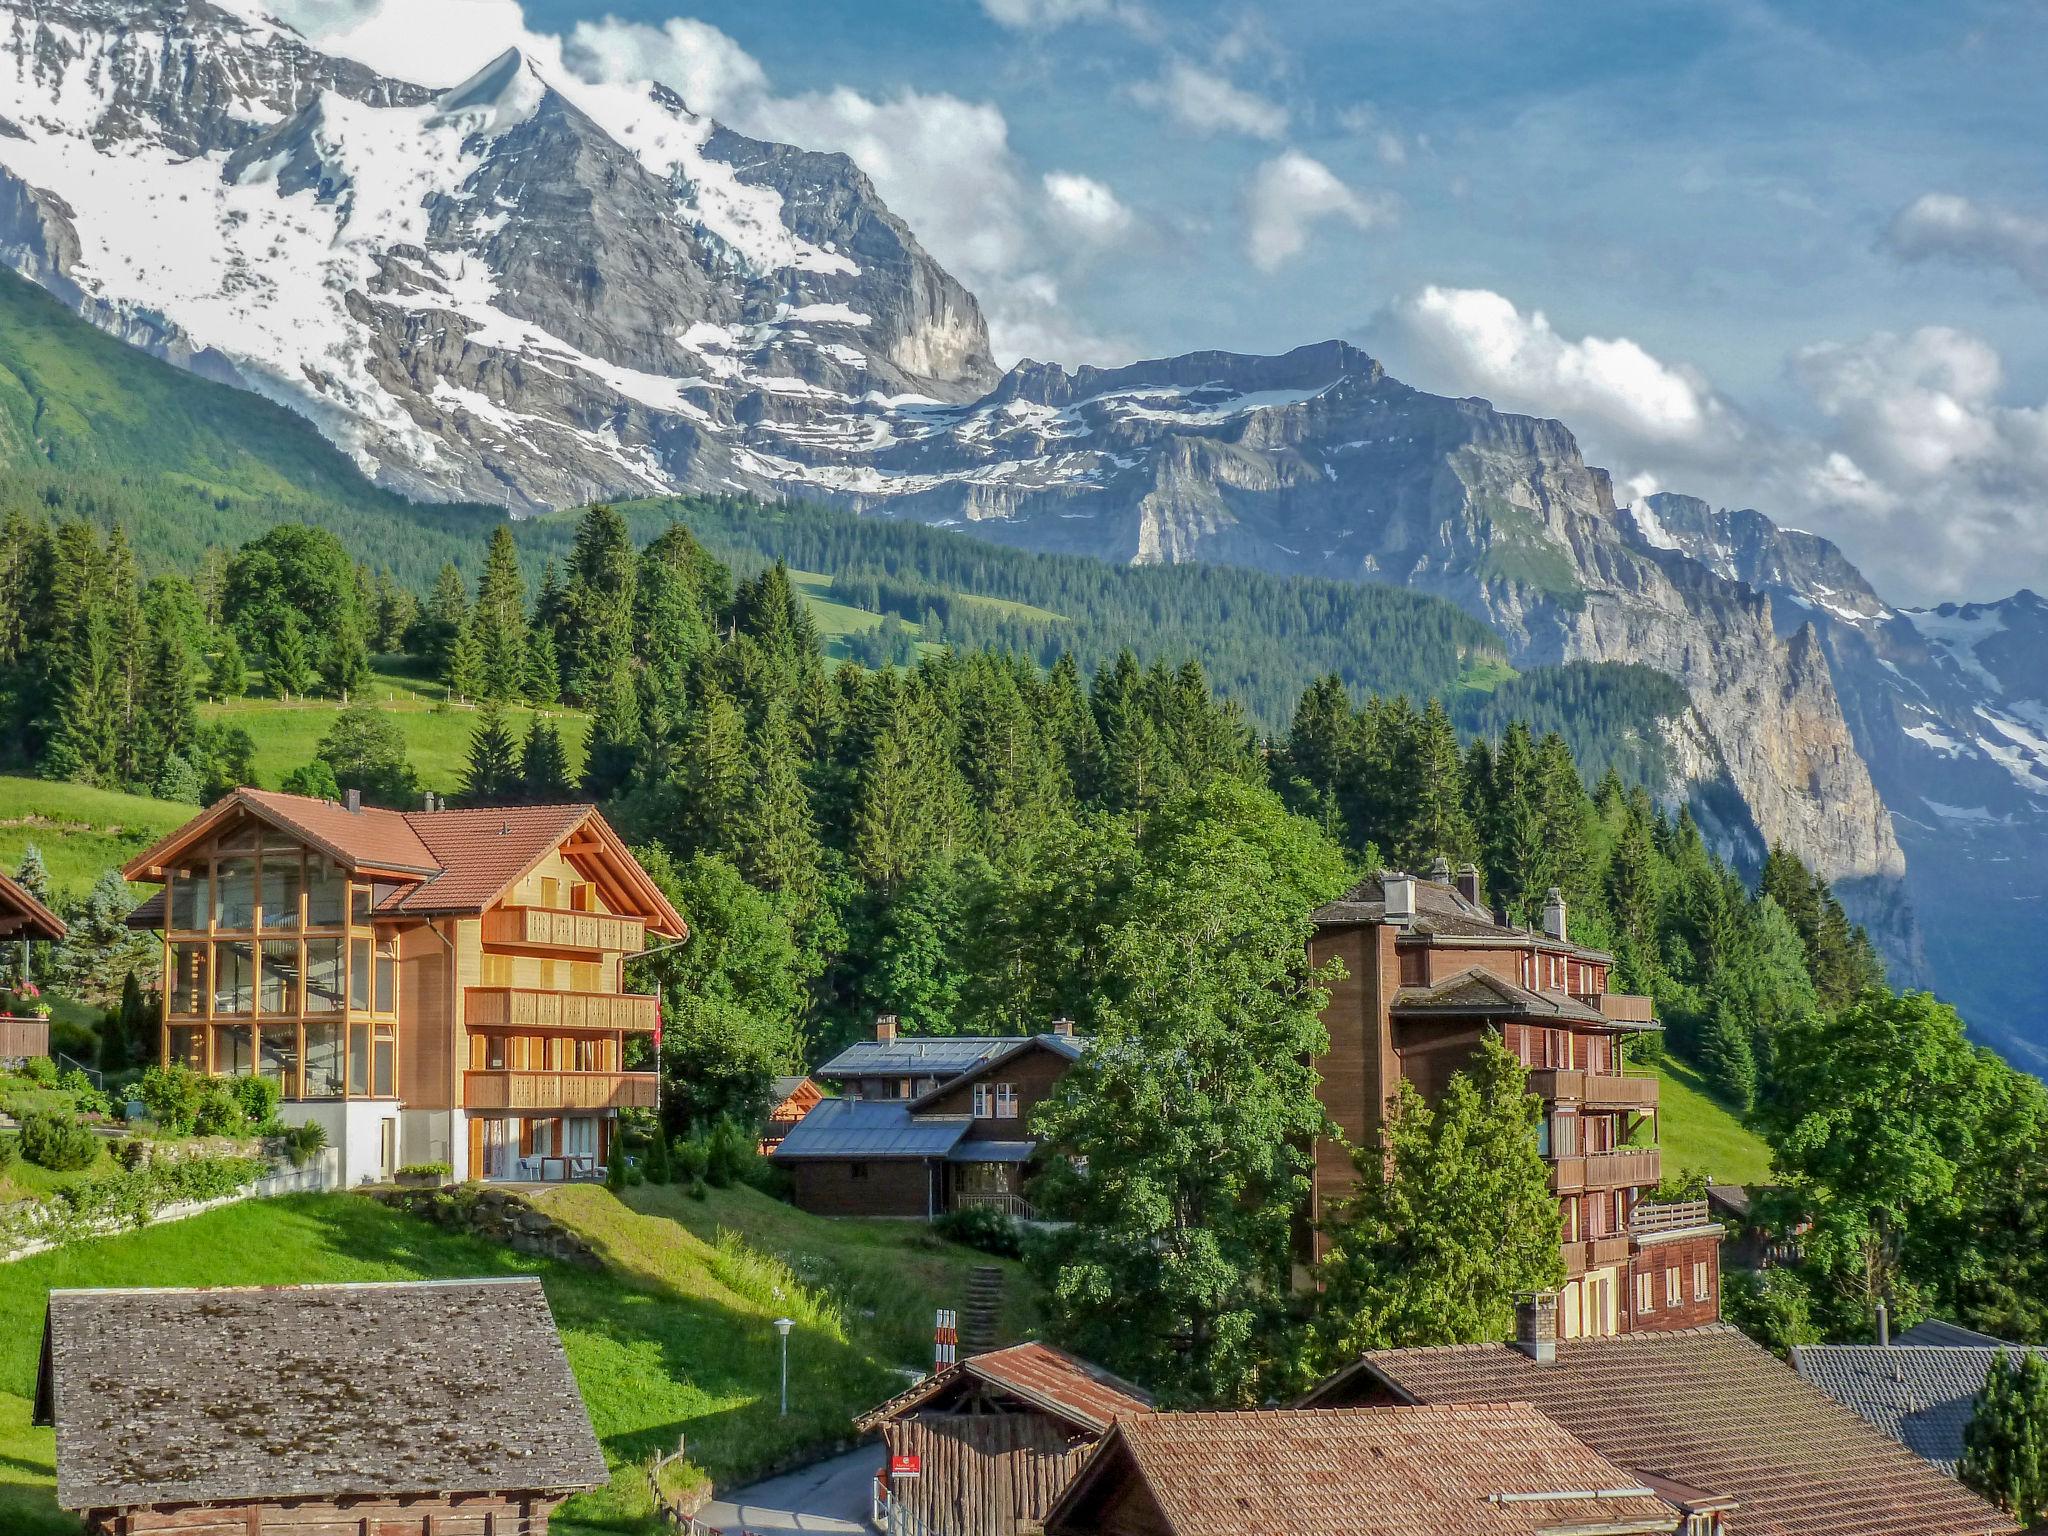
point(278, 1056)
point(190, 967)
point(234, 895)
point(324, 1064)
point(192, 899)
point(324, 990)
point(280, 989)
point(281, 871)
point(234, 977)
point(233, 1050)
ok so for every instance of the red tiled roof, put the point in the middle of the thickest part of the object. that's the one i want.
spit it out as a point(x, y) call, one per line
point(1064, 1385)
point(1469, 1469)
point(1707, 1408)
point(445, 862)
point(15, 902)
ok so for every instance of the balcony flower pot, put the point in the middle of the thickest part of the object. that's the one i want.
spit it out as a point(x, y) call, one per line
point(424, 1177)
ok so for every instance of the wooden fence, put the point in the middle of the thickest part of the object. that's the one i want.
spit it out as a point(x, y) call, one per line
point(980, 1474)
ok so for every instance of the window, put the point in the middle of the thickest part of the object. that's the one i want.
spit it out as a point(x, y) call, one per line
point(359, 1059)
point(359, 902)
point(984, 1106)
point(277, 1048)
point(234, 978)
point(279, 993)
point(234, 895)
point(1564, 1135)
point(324, 1061)
point(1646, 1294)
point(188, 978)
point(326, 890)
point(191, 895)
point(233, 1050)
point(1699, 1280)
point(1006, 1101)
point(386, 1085)
point(579, 1137)
point(359, 975)
point(188, 1048)
point(387, 976)
point(1673, 1294)
point(856, 1170)
point(281, 872)
point(1543, 1137)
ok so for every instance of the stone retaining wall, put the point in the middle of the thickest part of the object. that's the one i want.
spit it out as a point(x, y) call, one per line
point(498, 1215)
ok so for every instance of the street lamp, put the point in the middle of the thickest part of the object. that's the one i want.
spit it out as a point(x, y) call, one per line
point(782, 1326)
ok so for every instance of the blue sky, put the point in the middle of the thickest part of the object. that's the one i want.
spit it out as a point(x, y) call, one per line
point(1789, 256)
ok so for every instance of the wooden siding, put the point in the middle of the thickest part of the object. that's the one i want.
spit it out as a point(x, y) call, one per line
point(1595, 1090)
point(551, 928)
point(481, 1515)
point(1358, 1070)
point(425, 1029)
point(533, 1008)
point(897, 1187)
point(23, 1038)
point(1625, 1007)
point(558, 1090)
point(984, 1474)
point(1607, 1170)
point(1034, 1075)
point(1654, 1260)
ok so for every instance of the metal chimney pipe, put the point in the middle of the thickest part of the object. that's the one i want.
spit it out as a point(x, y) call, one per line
point(1884, 1323)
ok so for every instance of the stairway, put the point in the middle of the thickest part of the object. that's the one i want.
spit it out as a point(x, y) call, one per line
point(981, 1318)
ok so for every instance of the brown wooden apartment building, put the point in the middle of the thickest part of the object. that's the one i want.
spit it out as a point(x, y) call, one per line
point(1428, 972)
point(22, 919)
point(926, 1123)
point(430, 986)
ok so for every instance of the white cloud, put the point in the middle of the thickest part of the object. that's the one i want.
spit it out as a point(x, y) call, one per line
point(1288, 196)
point(1941, 224)
point(944, 164)
point(1204, 102)
point(1042, 15)
point(1084, 207)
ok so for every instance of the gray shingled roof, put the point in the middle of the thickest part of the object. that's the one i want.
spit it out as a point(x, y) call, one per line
point(1921, 1395)
point(1480, 991)
point(869, 1128)
point(1935, 1332)
point(1439, 911)
point(992, 1152)
point(311, 1392)
point(939, 1056)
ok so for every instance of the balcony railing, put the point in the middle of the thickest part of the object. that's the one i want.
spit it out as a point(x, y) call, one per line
point(1606, 1170)
point(1594, 1253)
point(551, 928)
point(1014, 1206)
point(558, 1090)
point(22, 1038)
point(1675, 1216)
point(1595, 1090)
point(537, 1008)
point(1622, 1007)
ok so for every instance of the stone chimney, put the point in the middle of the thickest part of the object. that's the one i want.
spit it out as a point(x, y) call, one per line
point(885, 1026)
point(1468, 882)
point(1064, 1028)
point(1553, 914)
point(1399, 891)
point(353, 800)
point(1440, 871)
point(1536, 1327)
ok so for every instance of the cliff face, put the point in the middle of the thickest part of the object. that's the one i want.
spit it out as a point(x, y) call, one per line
point(511, 293)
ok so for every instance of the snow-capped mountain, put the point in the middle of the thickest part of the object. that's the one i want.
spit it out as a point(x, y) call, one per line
point(502, 293)
point(1949, 706)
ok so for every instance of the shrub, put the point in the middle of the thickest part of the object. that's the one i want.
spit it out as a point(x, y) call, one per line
point(732, 1154)
point(90, 1100)
point(219, 1112)
point(172, 1097)
point(427, 1171)
point(615, 1165)
point(257, 1098)
point(982, 1227)
point(303, 1143)
point(692, 1156)
point(658, 1170)
point(58, 1142)
point(41, 1071)
point(7, 1151)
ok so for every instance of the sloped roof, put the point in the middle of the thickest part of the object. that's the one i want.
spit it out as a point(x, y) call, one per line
point(1440, 912)
point(1480, 991)
point(878, 1129)
point(1705, 1407)
point(311, 1392)
point(945, 1056)
point(1063, 1385)
point(20, 912)
point(1067, 1047)
point(1920, 1395)
point(1933, 1331)
point(443, 862)
point(1463, 1469)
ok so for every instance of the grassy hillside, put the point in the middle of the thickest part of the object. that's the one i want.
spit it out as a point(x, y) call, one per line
point(672, 1338)
point(80, 831)
point(1700, 1132)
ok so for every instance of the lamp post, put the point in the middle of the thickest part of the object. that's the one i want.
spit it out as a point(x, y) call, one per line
point(782, 1326)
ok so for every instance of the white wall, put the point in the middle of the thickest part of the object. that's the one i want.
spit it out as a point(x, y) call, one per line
point(355, 1132)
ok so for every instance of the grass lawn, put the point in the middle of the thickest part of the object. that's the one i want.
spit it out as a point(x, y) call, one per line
point(673, 1338)
point(1699, 1131)
point(836, 620)
point(82, 832)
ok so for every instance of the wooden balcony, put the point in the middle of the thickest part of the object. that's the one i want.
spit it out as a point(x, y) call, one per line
point(541, 1091)
point(1606, 1170)
point(1594, 1253)
point(590, 933)
point(23, 1038)
point(1622, 1007)
point(536, 1008)
point(1677, 1216)
point(1595, 1090)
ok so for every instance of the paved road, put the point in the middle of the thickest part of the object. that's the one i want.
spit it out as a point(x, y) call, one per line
point(831, 1497)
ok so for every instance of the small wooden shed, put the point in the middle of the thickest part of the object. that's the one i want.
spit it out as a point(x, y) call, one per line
point(984, 1447)
point(317, 1410)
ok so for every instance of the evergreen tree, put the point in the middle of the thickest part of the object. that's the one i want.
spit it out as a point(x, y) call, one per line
point(714, 788)
point(1439, 827)
point(1518, 859)
point(2005, 1444)
point(287, 669)
point(445, 616)
point(366, 750)
point(780, 849)
point(32, 874)
point(1563, 815)
point(1726, 1055)
point(1071, 722)
point(1453, 1219)
point(465, 671)
point(89, 711)
point(345, 668)
point(492, 777)
point(168, 721)
point(543, 668)
point(498, 623)
point(544, 776)
point(127, 658)
point(228, 676)
point(1133, 770)
point(99, 951)
point(1311, 766)
point(907, 797)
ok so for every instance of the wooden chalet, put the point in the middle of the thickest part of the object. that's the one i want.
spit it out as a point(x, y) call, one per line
point(1491, 1469)
point(327, 1410)
point(985, 1446)
point(1428, 973)
point(431, 986)
point(926, 1124)
point(24, 920)
point(789, 1100)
